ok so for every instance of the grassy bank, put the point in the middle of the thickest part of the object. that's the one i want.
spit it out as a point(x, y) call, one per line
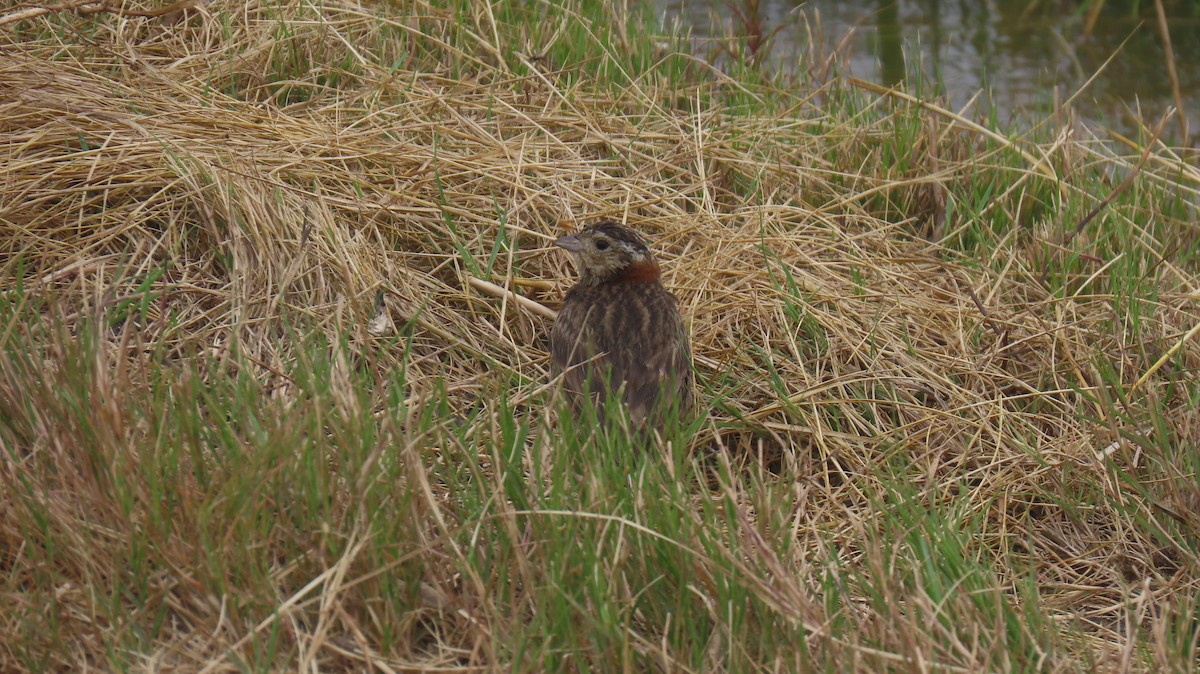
point(273, 371)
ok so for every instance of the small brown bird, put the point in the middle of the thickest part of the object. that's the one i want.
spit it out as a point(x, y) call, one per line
point(619, 329)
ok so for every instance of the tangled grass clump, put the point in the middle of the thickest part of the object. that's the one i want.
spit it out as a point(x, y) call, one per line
point(273, 372)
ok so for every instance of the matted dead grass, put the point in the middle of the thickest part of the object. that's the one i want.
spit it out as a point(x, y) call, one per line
point(123, 154)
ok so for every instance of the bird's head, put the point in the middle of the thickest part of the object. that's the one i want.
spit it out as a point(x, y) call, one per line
point(607, 252)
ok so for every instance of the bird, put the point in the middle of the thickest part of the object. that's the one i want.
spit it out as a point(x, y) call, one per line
point(619, 331)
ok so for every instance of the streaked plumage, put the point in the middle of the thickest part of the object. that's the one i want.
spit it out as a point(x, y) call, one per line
point(619, 325)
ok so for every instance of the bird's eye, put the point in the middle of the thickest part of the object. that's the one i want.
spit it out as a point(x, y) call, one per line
point(602, 244)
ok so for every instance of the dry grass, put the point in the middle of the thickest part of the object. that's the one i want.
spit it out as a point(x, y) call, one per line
point(861, 276)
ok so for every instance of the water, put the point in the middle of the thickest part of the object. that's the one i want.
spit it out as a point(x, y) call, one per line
point(1016, 55)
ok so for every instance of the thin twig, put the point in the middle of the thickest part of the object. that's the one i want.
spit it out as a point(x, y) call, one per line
point(520, 300)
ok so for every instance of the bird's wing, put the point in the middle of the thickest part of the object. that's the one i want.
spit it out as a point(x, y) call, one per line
point(656, 365)
point(605, 340)
point(573, 348)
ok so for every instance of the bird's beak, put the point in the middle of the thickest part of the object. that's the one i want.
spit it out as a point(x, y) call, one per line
point(569, 243)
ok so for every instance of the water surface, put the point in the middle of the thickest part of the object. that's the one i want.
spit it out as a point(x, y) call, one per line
point(1017, 56)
